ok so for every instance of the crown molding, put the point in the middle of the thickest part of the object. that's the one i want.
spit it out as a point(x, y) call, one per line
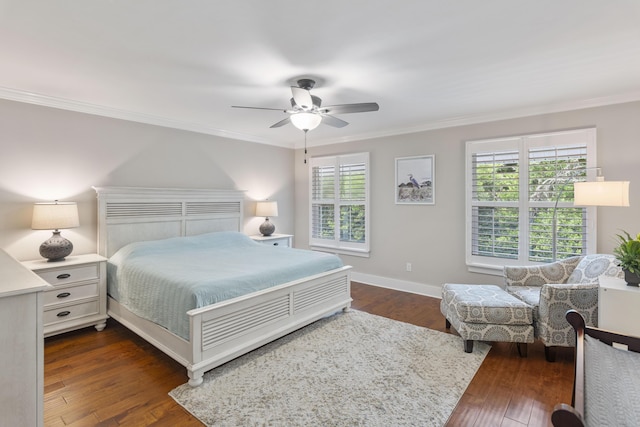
point(132, 116)
point(486, 118)
point(101, 110)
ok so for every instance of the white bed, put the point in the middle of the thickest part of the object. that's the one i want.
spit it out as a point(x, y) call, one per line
point(228, 329)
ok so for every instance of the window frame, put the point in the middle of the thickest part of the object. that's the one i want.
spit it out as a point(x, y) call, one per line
point(522, 144)
point(336, 245)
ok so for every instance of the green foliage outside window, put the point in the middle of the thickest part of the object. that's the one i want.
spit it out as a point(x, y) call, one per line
point(550, 183)
point(352, 212)
point(352, 225)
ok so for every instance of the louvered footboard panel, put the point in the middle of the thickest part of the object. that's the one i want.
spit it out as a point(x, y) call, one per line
point(316, 295)
point(232, 325)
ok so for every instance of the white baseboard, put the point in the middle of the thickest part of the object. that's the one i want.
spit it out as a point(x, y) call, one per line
point(399, 285)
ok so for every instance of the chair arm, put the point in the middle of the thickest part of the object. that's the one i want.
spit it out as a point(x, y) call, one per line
point(537, 275)
point(555, 301)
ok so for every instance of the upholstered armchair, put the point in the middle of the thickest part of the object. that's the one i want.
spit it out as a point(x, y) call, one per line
point(554, 288)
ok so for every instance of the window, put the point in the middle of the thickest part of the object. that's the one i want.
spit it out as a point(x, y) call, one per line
point(340, 203)
point(520, 199)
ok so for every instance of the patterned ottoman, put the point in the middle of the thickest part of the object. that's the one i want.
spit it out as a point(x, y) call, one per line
point(487, 313)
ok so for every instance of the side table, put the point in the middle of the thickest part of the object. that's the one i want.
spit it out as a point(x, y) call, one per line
point(618, 305)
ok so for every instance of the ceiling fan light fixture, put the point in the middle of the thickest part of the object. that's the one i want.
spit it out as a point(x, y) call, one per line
point(306, 121)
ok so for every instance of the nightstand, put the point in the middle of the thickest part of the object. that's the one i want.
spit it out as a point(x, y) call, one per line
point(79, 297)
point(285, 240)
point(618, 306)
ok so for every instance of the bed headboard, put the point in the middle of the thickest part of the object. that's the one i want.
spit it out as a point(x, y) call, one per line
point(133, 214)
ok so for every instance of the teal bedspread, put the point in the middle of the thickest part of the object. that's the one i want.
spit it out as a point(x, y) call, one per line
point(163, 279)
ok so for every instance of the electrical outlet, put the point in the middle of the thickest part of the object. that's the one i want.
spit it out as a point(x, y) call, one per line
point(408, 266)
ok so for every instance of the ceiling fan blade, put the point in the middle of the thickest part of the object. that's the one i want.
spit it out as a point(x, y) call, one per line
point(333, 121)
point(281, 123)
point(351, 108)
point(259, 108)
point(302, 97)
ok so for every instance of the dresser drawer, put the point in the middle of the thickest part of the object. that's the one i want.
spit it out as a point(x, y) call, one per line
point(73, 274)
point(71, 312)
point(70, 293)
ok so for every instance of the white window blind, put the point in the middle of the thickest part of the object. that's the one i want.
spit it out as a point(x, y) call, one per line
point(339, 203)
point(557, 229)
point(495, 213)
point(520, 198)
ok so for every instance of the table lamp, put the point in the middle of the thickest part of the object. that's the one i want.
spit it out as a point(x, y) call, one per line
point(55, 216)
point(267, 209)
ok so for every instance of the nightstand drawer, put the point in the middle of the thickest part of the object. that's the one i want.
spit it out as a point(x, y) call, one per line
point(61, 276)
point(79, 294)
point(70, 293)
point(282, 241)
point(71, 312)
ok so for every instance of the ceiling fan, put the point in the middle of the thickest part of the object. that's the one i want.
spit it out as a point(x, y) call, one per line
point(307, 112)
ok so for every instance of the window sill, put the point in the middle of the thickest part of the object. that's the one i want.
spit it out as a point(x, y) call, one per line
point(490, 269)
point(340, 251)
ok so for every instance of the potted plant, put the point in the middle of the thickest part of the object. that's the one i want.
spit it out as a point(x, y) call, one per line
point(628, 255)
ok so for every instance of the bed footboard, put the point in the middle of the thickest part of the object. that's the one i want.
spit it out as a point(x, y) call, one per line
point(224, 331)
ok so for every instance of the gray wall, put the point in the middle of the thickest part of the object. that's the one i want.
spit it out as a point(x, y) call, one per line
point(432, 238)
point(50, 154)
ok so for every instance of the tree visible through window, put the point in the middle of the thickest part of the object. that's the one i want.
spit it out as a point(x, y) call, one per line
point(520, 198)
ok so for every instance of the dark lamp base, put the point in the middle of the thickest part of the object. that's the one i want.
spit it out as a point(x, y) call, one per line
point(56, 248)
point(267, 228)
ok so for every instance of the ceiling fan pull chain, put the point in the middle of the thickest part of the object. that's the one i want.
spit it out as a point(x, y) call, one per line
point(305, 146)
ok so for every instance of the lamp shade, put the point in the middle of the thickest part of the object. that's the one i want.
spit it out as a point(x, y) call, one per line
point(306, 121)
point(601, 193)
point(55, 216)
point(267, 209)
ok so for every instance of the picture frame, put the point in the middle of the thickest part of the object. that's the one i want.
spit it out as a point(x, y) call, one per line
point(415, 180)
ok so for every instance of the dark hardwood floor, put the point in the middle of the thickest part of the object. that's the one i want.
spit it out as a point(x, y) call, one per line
point(114, 378)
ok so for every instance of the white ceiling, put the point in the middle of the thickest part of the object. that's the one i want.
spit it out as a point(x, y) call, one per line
point(428, 63)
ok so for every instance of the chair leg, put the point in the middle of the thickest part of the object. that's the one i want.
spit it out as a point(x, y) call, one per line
point(550, 354)
point(447, 324)
point(468, 346)
point(522, 349)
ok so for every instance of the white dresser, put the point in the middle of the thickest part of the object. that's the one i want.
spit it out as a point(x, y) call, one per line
point(79, 297)
point(22, 354)
point(618, 306)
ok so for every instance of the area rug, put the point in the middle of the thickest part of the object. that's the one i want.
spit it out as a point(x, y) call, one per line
point(350, 369)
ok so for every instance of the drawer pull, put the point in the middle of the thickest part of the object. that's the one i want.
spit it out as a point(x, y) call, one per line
point(63, 276)
point(275, 244)
point(63, 313)
point(63, 295)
